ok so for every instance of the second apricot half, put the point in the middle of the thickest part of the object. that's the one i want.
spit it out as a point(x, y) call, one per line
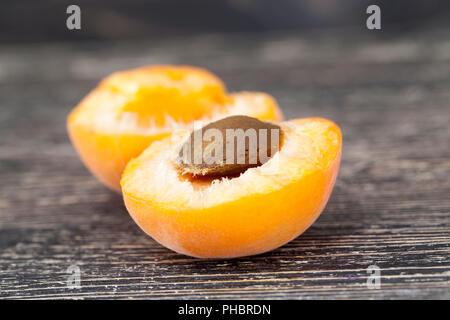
point(130, 110)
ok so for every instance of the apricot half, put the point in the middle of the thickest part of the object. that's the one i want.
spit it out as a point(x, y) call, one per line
point(131, 109)
point(257, 211)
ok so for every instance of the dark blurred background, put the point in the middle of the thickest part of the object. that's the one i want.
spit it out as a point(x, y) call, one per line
point(44, 21)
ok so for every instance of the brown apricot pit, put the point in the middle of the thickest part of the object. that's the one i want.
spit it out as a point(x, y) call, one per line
point(228, 147)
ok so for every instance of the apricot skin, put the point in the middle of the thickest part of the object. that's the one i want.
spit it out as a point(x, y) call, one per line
point(250, 225)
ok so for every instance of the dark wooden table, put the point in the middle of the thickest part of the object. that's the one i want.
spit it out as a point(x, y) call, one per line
point(390, 206)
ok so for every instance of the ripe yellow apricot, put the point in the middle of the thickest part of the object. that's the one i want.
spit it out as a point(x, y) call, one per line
point(131, 109)
point(257, 211)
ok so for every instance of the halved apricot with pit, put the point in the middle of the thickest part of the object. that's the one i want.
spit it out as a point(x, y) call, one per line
point(131, 109)
point(230, 216)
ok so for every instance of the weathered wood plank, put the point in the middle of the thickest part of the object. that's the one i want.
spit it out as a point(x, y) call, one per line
point(390, 206)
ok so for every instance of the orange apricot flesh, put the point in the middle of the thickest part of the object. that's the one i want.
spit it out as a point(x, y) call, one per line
point(255, 212)
point(131, 109)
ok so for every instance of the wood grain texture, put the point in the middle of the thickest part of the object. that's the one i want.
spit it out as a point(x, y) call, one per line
point(390, 206)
